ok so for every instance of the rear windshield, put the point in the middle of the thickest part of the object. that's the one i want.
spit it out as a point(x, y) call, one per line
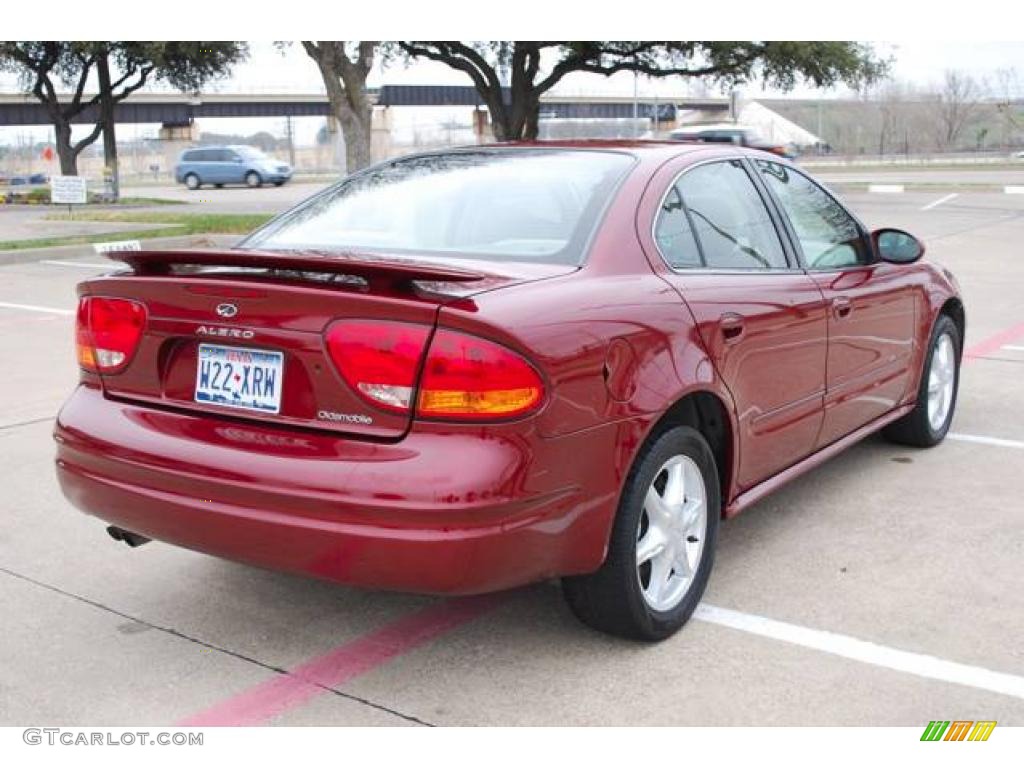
point(501, 205)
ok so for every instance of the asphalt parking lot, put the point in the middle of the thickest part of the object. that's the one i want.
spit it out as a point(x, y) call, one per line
point(885, 588)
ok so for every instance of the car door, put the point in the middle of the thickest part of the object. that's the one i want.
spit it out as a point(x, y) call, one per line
point(202, 164)
point(761, 318)
point(223, 166)
point(233, 167)
point(872, 312)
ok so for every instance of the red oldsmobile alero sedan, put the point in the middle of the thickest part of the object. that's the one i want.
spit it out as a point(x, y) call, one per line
point(469, 370)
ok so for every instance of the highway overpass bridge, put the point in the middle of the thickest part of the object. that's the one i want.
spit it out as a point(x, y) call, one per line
point(178, 109)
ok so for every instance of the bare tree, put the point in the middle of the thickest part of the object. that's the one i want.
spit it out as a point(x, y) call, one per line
point(955, 105)
point(344, 66)
point(1007, 104)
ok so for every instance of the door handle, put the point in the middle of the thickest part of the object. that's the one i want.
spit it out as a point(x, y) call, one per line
point(732, 326)
point(841, 307)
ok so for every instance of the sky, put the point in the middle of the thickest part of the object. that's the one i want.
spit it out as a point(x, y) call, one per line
point(269, 70)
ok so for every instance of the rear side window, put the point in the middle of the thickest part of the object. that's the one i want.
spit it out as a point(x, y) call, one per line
point(674, 235)
point(190, 156)
point(729, 217)
point(502, 205)
point(829, 236)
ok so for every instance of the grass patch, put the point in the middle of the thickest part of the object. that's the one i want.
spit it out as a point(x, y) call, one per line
point(173, 225)
point(102, 237)
point(183, 223)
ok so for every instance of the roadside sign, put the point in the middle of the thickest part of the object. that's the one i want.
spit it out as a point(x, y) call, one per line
point(67, 190)
point(119, 245)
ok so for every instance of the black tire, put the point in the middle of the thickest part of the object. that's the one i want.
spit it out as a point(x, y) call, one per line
point(253, 180)
point(192, 181)
point(219, 186)
point(611, 599)
point(278, 183)
point(915, 428)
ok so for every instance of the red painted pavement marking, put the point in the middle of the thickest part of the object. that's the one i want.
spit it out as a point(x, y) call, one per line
point(356, 657)
point(994, 342)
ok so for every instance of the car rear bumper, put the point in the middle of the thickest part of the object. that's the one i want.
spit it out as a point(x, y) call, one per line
point(452, 512)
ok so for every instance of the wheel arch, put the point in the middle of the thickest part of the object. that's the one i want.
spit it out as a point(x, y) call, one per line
point(954, 309)
point(708, 413)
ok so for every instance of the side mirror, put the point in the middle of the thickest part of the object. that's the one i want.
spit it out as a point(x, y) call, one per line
point(896, 246)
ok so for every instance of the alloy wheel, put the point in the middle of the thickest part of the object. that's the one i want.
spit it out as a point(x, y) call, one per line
point(671, 533)
point(941, 381)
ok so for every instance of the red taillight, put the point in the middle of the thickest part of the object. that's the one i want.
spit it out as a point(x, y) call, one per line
point(464, 377)
point(378, 359)
point(107, 332)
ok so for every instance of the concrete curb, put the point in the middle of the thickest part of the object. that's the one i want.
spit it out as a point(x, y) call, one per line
point(32, 255)
point(909, 187)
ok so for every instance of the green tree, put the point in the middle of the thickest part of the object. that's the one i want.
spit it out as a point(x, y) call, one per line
point(120, 68)
point(533, 67)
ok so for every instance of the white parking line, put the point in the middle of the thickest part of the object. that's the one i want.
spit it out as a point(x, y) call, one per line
point(1013, 348)
point(940, 201)
point(33, 308)
point(848, 647)
point(998, 441)
point(886, 189)
point(82, 264)
point(1014, 190)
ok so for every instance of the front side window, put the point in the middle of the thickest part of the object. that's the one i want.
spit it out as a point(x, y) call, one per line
point(731, 222)
point(829, 236)
point(501, 205)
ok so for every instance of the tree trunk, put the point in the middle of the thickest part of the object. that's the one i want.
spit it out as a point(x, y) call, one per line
point(358, 131)
point(531, 127)
point(500, 128)
point(65, 151)
point(345, 82)
point(517, 121)
point(108, 122)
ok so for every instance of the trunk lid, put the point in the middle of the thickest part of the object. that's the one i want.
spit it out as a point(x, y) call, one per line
point(269, 311)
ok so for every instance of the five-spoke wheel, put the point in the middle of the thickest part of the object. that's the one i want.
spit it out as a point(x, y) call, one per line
point(662, 543)
point(671, 533)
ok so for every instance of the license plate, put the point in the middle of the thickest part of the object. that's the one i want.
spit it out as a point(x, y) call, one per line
point(249, 379)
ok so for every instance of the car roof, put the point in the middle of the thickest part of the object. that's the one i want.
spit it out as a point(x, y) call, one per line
point(220, 146)
point(646, 150)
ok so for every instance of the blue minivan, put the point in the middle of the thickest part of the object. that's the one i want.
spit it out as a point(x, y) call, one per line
point(229, 165)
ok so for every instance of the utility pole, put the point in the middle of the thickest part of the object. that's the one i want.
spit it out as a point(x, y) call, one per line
point(291, 141)
point(656, 124)
point(636, 105)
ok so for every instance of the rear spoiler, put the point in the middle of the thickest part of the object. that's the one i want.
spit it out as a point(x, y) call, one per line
point(372, 268)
